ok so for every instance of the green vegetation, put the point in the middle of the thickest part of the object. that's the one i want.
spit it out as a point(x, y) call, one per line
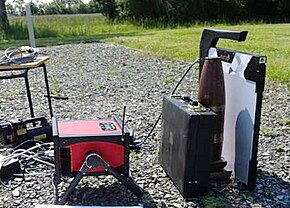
point(279, 149)
point(286, 122)
point(187, 11)
point(60, 26)
point(272, 40)
point(177, 43)
point(99, 86)
point(55, 86)
point(169, 80)
point(214, 202)
point(268, 132)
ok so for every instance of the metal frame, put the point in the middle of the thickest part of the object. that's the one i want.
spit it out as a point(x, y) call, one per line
point(24, 75)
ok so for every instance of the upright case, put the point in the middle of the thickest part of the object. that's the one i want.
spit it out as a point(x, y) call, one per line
point(187, 132)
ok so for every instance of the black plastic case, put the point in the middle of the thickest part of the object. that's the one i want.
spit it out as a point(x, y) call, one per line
point(187, 132)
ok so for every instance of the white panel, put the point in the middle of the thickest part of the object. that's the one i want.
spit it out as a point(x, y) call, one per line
point(240, 108)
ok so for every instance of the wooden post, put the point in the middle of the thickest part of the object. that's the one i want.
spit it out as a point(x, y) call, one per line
point(30, 25)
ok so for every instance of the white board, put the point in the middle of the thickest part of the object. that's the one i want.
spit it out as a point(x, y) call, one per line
point(240, 110)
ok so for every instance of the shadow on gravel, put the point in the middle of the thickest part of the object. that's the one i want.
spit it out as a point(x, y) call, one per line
point(121, 34)
point(84, 39)
point(270, 189)
point(112, 195)
point(50, 41)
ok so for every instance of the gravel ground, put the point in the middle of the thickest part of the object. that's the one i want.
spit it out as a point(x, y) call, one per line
point(99, 79)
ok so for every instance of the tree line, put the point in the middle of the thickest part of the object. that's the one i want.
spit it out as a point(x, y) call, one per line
point(54, 7)
point(165, 10)
point(187, 11)
point(160, 11)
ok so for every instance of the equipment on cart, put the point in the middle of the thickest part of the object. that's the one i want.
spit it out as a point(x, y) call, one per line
point(18, 131)
point(92, 148)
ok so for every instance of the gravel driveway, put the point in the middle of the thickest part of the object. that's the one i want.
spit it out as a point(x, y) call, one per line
point(99, 79)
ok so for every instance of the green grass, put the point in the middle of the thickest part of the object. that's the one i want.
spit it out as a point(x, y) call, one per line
point(177, 43)
point(271, 40)
point(278, 149)
point(268, 132)
point(214, 202)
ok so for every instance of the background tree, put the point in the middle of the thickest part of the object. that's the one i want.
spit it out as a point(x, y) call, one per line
point(3, 16)
point(34, 8)
point(94, 6)
point(108, 8)
point(19, 6)
point(284, 8)
point(262, 8)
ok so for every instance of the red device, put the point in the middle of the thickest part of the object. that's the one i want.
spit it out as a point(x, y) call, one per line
point(92, 148)
point(81, 137)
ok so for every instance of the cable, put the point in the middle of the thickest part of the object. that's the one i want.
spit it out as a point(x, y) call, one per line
point(23, 151)
point(34, 173)
point(137, 144)
point(16, 186)
point(20, 55)
point(27, 141)
point(26, 155)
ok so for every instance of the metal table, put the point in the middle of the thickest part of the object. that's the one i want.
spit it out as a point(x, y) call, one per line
point(23, 73)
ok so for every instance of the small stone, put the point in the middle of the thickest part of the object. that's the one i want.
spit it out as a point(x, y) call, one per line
point(18, 179)
point(17, 201)
point(5, 199)
point(167, 196)
point(176, 205)
point(27, 179)
point(16, 193)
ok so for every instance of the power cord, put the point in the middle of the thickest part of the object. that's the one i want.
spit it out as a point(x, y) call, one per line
point(24, 156)
point(138, 143)
point(19, 55)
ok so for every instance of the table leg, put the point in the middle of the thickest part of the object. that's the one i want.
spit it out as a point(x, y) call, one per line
point(47, 90)
point(28, 93)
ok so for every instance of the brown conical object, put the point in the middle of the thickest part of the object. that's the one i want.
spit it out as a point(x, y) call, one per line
point(211, 94)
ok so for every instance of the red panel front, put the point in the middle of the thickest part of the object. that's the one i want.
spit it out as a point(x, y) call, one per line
point(86, 127)
point(112, 153)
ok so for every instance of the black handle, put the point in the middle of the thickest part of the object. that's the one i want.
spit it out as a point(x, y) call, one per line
point(211, 37)
point(33, 120)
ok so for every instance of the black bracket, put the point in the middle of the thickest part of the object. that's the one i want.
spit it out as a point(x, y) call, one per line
point(211, 37)
point(94, 160)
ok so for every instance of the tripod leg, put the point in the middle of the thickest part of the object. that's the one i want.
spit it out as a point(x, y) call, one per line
point(55, 188)
point(71, 187)
point(56, 175)
point(128, 182)
point(95, 160)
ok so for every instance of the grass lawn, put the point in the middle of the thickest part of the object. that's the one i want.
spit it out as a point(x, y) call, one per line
point(272, 40)
point(179, 43)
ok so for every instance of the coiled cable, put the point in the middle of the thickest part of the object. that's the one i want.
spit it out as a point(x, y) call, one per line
point(19, 55)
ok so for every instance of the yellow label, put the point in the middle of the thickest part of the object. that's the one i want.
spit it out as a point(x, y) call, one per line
point(40, 137)
point(21, 132)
